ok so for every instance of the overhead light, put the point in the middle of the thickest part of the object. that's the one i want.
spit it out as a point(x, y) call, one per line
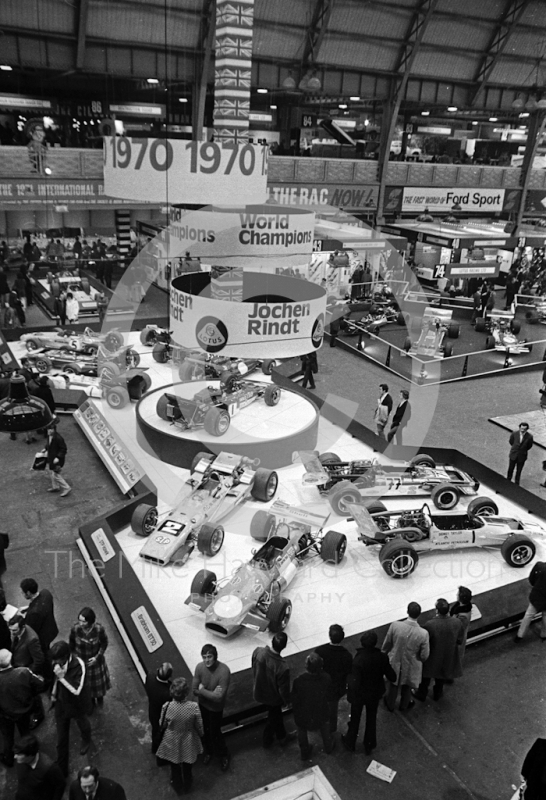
point(452, 108)
point(519, 102)
point(261, 91)
point(355, 98)
point(342, 105)
point(475, 122)
point(523, 126)
point(366, 122)
point(425, 113)
point(531, 103)
point(182, 99)
point(152, 80)
point(289, 82)
point(273, 107)
point(47, 170)
point(21, 411)
point(524, 114)
point(541, 103)
point(6, 68)
point(493, 119)
point(314, 83)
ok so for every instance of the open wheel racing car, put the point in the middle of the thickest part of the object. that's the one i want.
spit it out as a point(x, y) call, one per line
point(404, 535)
point(345, 482)
point(436, 328)
point(216, 486)
point(87, 342)
point(252, 596)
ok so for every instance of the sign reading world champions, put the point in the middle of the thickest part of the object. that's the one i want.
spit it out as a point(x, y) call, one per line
point(279, 317)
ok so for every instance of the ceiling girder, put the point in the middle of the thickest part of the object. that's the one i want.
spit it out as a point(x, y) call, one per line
point(83, 12)
point(499, 40)
point(316, 31)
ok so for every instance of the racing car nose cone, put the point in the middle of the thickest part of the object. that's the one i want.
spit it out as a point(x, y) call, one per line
point(228, 606)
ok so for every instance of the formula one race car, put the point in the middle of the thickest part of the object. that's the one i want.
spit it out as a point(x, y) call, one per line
point(58, 339)
point(503, 336)
point(404, 535)
point(537, 313)
point(197, 365)
point(436, 326)
point(113, 363)
point(494, 317)
point(215, 487)
point(212, 407)
point(251, 596)
point(345, 482)
point(81, 289)
point(371, 322)
point(151, 335)
point(118, 389)
point(68, 362)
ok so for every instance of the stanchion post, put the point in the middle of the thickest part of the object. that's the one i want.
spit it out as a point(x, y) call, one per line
point(465, 368)
point(388, 359)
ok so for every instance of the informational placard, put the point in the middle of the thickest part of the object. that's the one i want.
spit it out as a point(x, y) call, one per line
point(351, 197)
point(113, 453)
point(416, 198)
point(146, 629)
point(279, 317)
point(179, 171)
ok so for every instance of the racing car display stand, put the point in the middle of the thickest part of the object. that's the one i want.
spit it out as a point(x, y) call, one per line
point(147, 600)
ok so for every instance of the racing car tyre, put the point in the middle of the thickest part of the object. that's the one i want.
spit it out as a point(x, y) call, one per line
point(31, 344)
point(423, 461)
point(148, 337)
point(160, 353)
point(333, 547)
point(228, 380)
point(132, 358)
point(278, 614)
point(109, 370)
point(210, 539)
point(407, 344)
point(480, 324)
point(515, 326)
point(375, 507)
point(342, 493)
point(490, 343)
point(144, 519)
point(329, 458)
point(453, 330)
point(113, 341)
point(118, 397)
point(262, 526)
point(190, 372)
point(518, 550)
point(216, 421)
point(85, 285)
point(484, 506)
point(268, 364)
point(196, 459)
point(71, 369)
point(400, 319)
point(272, 395)
point(445, 496)
point(532, 317)
point(264, 485)
point(138, 386)
point(161, 408)
point(203, 583)
point(448, 349)
point(90, 349)
point(398, 558)
point(42, 364)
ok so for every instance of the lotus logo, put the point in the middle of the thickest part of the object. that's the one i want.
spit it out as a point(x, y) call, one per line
point(317, 333)
point(211, 333)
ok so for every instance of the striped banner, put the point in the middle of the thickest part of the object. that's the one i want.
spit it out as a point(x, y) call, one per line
point(123, 231)
point(232, 73)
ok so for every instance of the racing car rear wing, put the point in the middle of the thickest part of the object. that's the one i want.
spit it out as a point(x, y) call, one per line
point(295, 514)
point(315, 474)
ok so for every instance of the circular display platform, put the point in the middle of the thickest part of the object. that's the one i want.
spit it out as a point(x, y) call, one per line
point(270, 433)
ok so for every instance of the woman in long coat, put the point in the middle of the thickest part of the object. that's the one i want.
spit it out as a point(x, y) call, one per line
point(88, 640)
point(180, 744)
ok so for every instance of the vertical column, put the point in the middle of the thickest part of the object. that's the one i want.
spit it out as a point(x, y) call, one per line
point(233, 69)
point(123, 231)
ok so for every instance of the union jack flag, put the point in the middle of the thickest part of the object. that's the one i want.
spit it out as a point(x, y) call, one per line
point(241, 14)
point(227, 46)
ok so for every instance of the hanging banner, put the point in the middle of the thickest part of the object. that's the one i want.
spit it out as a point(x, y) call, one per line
point(347, 195)
point(416, 198)
point(179, 171)
point(279, 316)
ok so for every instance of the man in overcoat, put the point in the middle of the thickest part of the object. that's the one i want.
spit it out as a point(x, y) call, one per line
point(537, 602)
point(407, 645)
point(521, 442)
point(444, 662)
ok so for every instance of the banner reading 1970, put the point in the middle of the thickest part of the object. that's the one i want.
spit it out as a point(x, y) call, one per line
point(180, 171)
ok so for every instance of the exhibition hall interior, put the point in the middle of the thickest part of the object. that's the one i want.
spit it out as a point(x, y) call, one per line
point(233, 563)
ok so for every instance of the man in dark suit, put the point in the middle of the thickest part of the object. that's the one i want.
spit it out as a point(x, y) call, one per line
point(521, 442)
point(400, 418)
point(383, 410)
point(90, 786)
point(40, 613)
point(158, 689)
point(25, 645)
point(366, 688)
point(56, 453)
point(38, 777)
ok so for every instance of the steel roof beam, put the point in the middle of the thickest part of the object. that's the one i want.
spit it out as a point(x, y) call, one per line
point(83, 12)
point(316, 31)
point(207, 30)
point(497, 45)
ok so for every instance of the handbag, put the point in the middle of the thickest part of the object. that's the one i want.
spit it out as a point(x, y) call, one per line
point(40, 460)
point(162, 762)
